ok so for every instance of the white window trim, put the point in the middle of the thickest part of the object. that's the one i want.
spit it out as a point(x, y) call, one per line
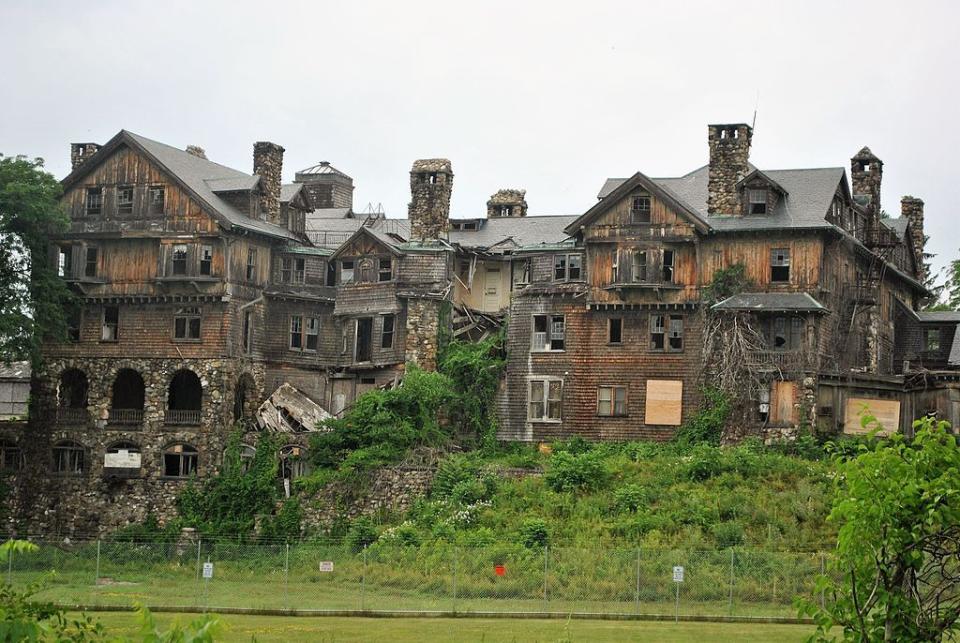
point(545, 380)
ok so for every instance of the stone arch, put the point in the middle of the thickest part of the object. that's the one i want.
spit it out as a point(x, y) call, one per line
point(128, 390)
point(185, 392)
point(72, 389)
point(180, 460)
point(244, 398)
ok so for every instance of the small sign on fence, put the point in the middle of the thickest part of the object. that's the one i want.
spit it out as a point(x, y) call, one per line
point(678, 574)
point(208, 570)
point(326, 565)
point(500, 570)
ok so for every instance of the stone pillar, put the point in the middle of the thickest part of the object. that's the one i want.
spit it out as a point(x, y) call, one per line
point(268, 164)
point(866, 174)
point(507, 203)
point(80, 152)
point(431, 183)
point(729, 163)
point(423, 332)
point(912, 208)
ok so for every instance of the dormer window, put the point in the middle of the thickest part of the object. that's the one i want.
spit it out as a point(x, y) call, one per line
point(758, 201)
point(640, 209)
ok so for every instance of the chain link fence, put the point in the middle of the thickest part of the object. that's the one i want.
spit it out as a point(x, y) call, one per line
point(505, 578)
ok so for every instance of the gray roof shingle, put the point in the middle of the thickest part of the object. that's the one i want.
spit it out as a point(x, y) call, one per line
point(939, 315)
point(773, 302)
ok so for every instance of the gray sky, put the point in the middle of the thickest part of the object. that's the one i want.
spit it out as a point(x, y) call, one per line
point(548, 96)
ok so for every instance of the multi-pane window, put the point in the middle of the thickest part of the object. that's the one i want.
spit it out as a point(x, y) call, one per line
point(68, 458)
point(180, 461)
point(386, 337)
point(186, 323)
point(385, 270)
point(758, 201)
point(94, 201)
point(640, 209)
point(65, 262)
point(780, 264)
point(784, 333)
point(548, 333)
point(206, 260)
point(304, 333)
point(567, 267)
point(251, 264)
point(346, 272)
point(615, 330)
point(560, 267)
point(666, 333)
point(125, 199)
point(931, 339)
point(90, 263)
point(110, 328)
point(667, 267)
point(296, 332)
point(179, 259)
point(640, 265)
point(11, 458)
point(611, 400)
point(312, 333)
point(292, 270)
point(545, 400)
point(155, 199)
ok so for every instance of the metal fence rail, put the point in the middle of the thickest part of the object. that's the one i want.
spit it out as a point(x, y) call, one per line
point(502, 577)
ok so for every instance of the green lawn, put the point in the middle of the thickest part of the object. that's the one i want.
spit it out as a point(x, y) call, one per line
point(401, 630)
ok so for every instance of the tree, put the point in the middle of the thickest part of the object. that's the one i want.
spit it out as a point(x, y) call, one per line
point(896, 574)
point(32, 297)
point(951, 287)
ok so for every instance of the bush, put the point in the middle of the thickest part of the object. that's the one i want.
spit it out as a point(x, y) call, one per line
point(631, 497)
point(285, 525)
point(450, 472)
point(468, 492)
point(568, 472)
point(706, 426)
point(728, 534)
point(575, 445)
point(362, 534)
point(704, 462)
point(533, 533)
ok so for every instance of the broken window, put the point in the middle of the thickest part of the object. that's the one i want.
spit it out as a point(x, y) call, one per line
point(548, 333)
point(296, 332)
point(545, 398)
point(611, 400)
point(758, 201)
point(567, 267)
point(785, 333)
point(72, 391)
point(246, 330)
point(68, 458)
point(178, 257)
point(94, 201)
point(615, 267)
point(574, 263)
point(299, 271)
point(186, 323)
point(780, 264)
point(180, 461)
point(668, 266)
point(931, 339)
point(246, 456)
point(206, 260)
point(125, 199)
point(251, 264)
point(155, 199)
point(615, 330)
point(386, 337)
point(560, 267)
point(640, 265)
point(675, 336)
point(90, 262)
point(366, 270)
point(521, 272)
point(364, 339)
point(657, 332)
point(292, 270)
point(293, 462)
point(346, 272)
point(385, 269)
point(11, 457)
point(640, 209)
point(304, 333)
point(65, 262)
point(312, 331)
point(110, 328)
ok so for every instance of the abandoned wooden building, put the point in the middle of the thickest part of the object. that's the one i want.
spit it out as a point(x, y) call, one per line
point(209, 296)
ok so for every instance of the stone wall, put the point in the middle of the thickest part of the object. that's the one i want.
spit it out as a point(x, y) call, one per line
point(431, 184)
point(729, 163)
point(912, 209)
point(422, 332)
point(387, 490)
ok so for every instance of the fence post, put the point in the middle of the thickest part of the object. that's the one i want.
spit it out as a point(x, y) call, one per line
point(455, 561)
point(363, 579)
point(286, 578)
point(546, 558)
point(96, 576)
point(197, 574)
point(732, 554)
point(10, 566)
point(636, 596)
point(823, 571)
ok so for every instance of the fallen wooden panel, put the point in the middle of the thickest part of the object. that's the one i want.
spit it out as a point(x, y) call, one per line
point(664, 402)
point(887, 413)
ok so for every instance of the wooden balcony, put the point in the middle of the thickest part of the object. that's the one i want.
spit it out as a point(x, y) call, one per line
point(72, 416)
point(182, 417)
point(125, 417)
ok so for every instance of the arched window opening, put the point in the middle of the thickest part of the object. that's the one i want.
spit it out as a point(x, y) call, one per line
point(243, 399)
point(69, 458)
point(293, 462)
point(122, 460)
point(11, 457)
point(126, 404)
point(180, 461)
point(72, 397)
point(184, 398)
point(366, 270)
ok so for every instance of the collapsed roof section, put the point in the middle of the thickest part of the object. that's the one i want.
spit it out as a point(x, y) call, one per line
point(287, 410)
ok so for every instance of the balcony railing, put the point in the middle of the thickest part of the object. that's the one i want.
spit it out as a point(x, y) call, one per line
point(787, 360)
point(182, 417)
point(67, 415)
point(126, 417)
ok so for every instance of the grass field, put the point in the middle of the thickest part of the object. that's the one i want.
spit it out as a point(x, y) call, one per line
point(403, 630)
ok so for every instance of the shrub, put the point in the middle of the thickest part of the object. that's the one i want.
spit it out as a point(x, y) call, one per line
point(468, 492)
point(285, 524)
point(728, 534)
point(362, 534)
point(568, 472)
point(704, 462)
point(452, 471)
point(474, 369)
point(533, 533)
point(706, 426)
point(575, 445)
point(631, 497)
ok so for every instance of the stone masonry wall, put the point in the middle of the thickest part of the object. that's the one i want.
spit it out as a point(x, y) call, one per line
point(422, 332)
point(431, 183)
point(729, 163)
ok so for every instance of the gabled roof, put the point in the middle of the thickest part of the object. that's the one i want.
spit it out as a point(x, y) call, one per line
point(939, 315)
point(194, 175)
point(322, 168)
point(664, 192)
point(772, 302)
point(233, 184)
point(507, 233)
point(289, 191)
point(379, 236)
point(762, 175)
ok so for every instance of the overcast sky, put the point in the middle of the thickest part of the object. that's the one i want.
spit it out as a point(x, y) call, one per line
point(548, 96)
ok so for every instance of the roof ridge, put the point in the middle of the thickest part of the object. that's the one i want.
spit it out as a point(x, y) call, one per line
point(192, 156)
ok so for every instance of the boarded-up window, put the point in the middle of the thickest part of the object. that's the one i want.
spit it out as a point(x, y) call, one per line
point(664, 402)
point(887, 413)
point(782, 407)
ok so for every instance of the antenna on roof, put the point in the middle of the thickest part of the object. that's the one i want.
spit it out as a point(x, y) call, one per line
point(756, 106)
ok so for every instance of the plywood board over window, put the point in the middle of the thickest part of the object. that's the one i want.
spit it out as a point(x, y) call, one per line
point(783, 409)
point(887, 413)
point(664, 402)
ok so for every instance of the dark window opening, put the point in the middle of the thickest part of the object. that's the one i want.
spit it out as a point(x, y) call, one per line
point(206, 260)
point(251, 264)
point(560, 267)
point(640, 209)
point(247, 329)
point(72, 392)
point(155, 198)
point(68, 458)
point(668, 266)
point(784, 333)
point(385, 272)
point(74, 319)
point(186, 392)
point(65, 262)
point(758, 201)
point(331, 274)
point(90, 263)
point(364, 339)
point(128, 390)
point(186, 323)
point(428, 177)
point(567, 267)
point(293, 462)
point(125, 199)
point(180, 461)
point(179, 259)
point(110, 330)
point(346, 272)
point(657, 332)
point(242, 397)
point(573, 269)
point(11, 457)
point(931, 339)
point(296, 332)
point(780, 265)
point(386, 337)
point(675, 336)
point(640, 266)
point(615, 335)
point(549, 333)
point(94, 201)
point(312, 333)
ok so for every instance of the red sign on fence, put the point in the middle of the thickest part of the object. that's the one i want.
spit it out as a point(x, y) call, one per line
point(499, 570)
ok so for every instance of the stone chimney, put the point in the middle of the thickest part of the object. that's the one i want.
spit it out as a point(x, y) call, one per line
point(866, 172)
point(197, 151)
point(431, 183)
point(507, 203)
point(912, 208)
point(80, 152)
point(268, 165)
point(729, 163)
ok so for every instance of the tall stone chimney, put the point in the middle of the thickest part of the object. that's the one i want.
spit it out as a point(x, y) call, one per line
point(80, 152)
point(912, 208)
point(507, 203)
point(729, 163)
point(866, 173)
point(268, 164)
point(431, 183)
point(197, 151)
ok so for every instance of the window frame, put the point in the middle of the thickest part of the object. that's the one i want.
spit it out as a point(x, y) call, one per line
point(10, 452)
point(87, 263)
point(104, 324)
point(251, 271)
point(554, 341)
point(302, 328)
point(780, 259)
point(668, 327)
point(384, 268)
point(347, 275)
point(762, 199)
point(191, 317)
point(92, 206)
point(668, 269)
point(206, 260)
point(641, 215)
point(563, 266)
point(618, 322)
point(548, 404)
point(935, 334)
point(152, 201)
point(179, 259)
point(638, 266)
point(183, 456)
point(387, 337)
point(76, 458)
point(125, 206)
point(617, 402)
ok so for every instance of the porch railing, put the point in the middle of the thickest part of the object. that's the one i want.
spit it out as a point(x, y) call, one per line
point(182, 417)
point(127, 417)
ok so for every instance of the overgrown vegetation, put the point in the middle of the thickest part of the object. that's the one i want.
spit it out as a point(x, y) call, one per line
point(706, 426)
point(727, 282)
